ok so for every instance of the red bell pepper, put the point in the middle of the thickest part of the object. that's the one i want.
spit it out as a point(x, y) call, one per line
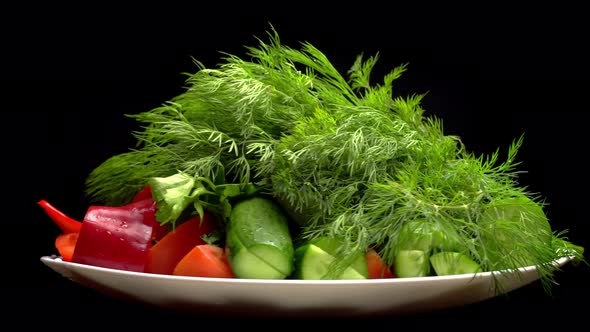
point(159, 229)
point(117, 237)
point(146, 192)
point(65, 223)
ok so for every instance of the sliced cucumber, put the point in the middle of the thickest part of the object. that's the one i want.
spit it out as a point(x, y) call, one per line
point(448, 263)
point(411, 263)
point(425, 235)
point(312, 263)
point(258, 240)
point(521, 216)
point(332, 245)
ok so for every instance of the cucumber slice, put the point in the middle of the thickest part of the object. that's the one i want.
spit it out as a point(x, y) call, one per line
point(416, 239)
point(332, 245)
point(516, 215)
point(258, 242)
point(411, 263)
point(448, 263)
point(425, 235)
point(259, 261)
point(312, 263)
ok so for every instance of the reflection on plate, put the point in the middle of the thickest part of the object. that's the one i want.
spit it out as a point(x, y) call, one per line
point(297, 297)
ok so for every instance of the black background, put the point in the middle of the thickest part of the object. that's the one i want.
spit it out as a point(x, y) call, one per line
point(70, 74)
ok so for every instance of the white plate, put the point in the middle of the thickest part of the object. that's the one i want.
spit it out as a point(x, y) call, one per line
point(296, 297)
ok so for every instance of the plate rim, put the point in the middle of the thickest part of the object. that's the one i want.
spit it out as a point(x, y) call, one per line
point(57, 260)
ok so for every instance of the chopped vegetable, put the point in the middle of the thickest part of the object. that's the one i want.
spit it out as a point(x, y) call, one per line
point(315, 259)
point(64, 222)
point(258, 240)
point(412, 263)
point(376, 266)
point(160, 229)
point(65, 244)
point(314, 263)
point(117, 237)
point(532, 245)
point(146, 192)
point(447, 263)
point(205, 260)
point(167, 252)
point(356, 259)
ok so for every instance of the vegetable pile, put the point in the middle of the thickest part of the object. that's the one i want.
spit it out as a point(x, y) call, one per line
point(280, 167)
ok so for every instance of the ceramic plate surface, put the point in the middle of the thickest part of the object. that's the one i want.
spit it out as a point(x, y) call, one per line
point(297, 297)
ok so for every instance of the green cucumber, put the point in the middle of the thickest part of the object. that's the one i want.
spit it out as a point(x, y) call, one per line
point(332, 245)
point(312, 263)
point(411, 263)
point(448, 263)
point(416, 241)
point(515, 215)
point(424, 235)
point(258, 240)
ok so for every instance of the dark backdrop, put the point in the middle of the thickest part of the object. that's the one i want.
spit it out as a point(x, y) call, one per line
point(70, 75)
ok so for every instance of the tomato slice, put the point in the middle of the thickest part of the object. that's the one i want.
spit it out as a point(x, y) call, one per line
point(205, 260)
point(378, 269)
point(65, 244)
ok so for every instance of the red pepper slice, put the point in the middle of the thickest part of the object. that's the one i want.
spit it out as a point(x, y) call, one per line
point(159, 229)
point(65, 223)
point(117, 237)
point(166, 253)
point(146, 192)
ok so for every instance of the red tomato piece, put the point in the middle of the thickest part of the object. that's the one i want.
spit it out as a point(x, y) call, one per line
point(205, 260)
point(378, 269)
point(65, 244)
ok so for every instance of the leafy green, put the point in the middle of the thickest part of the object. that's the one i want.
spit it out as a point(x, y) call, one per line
point(176, 193)
point(173, 195)
point(346, 158)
